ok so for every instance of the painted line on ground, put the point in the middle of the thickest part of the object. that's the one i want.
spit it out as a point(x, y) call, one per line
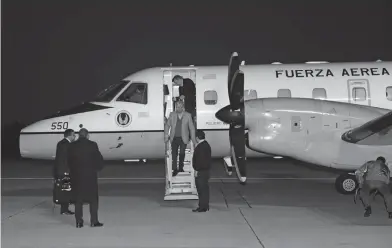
point(162, 178)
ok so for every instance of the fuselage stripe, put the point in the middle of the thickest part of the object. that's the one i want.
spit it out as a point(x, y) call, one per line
point(131, 131)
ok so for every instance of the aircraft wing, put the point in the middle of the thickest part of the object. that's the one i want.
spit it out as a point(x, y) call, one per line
point(377, 130)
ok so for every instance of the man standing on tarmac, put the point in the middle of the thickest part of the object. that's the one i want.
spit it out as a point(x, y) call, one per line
point(201, 162)
point(374, 175)
point(85, 160)
point(61, 166)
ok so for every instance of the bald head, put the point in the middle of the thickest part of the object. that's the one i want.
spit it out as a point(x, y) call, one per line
point(83, 133)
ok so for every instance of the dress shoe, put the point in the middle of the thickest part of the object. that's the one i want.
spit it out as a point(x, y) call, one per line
point(68, 212)
point(79, 225)
point(368, 212)
point(181, 170)
point(175, 172)
point(96, 224)
point(199, 210)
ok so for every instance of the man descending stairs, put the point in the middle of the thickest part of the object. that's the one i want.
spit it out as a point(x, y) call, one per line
point(181, 186)
point(182, 135)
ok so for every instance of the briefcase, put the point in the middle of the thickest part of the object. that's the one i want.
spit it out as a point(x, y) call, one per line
point(62, 191)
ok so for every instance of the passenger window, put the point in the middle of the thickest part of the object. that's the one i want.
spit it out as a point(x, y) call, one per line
point(250, 94)
point(136, 93)
point(210, 97)
point(389, 93)
point(319, 93)
point(359, 94)
point(284, 93)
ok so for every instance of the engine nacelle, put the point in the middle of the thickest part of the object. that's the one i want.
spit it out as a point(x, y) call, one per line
point(309, 130)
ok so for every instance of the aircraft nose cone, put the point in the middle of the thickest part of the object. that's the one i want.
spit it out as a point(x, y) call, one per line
point(228, 116)
point(224, 114)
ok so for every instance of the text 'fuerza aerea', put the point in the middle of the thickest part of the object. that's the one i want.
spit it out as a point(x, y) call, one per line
point(351, 72)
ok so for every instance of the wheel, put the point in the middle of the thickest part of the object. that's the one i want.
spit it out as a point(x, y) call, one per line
point(346, 184)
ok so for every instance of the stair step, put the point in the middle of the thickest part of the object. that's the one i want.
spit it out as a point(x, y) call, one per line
point(181, 180)
point(181, 186)
point(178, 186)
point(181, 196)
point(183, 174)
point(182, 183)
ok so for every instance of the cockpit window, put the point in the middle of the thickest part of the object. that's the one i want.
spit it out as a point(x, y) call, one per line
point(136, 93)
point(110, 92)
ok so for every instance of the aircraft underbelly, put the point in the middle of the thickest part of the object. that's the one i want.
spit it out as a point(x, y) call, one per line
point(130, 145)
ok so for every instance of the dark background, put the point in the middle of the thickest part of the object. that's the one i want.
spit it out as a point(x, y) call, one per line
point(56, 54)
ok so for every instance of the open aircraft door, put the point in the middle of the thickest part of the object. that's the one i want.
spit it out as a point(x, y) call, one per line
point(182, 186)
point(168, 75)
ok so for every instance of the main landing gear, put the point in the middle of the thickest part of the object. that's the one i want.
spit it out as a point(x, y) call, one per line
point(346, 183)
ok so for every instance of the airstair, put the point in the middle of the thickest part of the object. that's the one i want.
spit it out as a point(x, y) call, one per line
point(182, 186)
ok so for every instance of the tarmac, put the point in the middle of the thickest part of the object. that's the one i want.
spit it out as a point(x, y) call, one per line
point(284, 204)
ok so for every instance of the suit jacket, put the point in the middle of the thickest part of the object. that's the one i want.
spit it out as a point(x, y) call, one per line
point(187, 127)
point(202, 156)
point(85, 160)
point(61, 161)
point(189, 91)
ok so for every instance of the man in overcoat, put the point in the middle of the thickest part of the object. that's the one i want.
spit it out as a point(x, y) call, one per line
point(61, 167)
point(85, 161)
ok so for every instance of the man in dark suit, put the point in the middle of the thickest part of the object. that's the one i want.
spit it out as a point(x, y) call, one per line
point(201, 162)
point(187, 90)
point(85, 161)
point(61, 166)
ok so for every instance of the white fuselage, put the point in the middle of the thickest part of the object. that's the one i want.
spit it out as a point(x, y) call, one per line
point(142, 136)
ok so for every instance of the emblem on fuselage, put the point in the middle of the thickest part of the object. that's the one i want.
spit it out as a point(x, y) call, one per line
point(123, 118)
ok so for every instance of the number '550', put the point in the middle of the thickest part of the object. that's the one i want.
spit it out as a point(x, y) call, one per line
point(59, 125)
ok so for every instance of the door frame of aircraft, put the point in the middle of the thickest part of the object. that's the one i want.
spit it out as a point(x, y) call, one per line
point(358, 84)
point(168, 75)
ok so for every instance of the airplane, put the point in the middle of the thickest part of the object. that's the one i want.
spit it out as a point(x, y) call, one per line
point(335, 115)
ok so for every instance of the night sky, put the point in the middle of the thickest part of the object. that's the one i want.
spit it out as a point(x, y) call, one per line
point(56, 54)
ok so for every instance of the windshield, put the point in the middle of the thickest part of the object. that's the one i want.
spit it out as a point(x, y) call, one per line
point(107, 94)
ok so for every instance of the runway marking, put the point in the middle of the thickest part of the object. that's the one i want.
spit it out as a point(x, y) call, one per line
point(23, 210)
point(243, 198)
point(163, 178)
point(251, 228)
point(224, 197)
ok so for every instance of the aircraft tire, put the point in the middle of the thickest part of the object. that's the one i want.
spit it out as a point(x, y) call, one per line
point(346, 184)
